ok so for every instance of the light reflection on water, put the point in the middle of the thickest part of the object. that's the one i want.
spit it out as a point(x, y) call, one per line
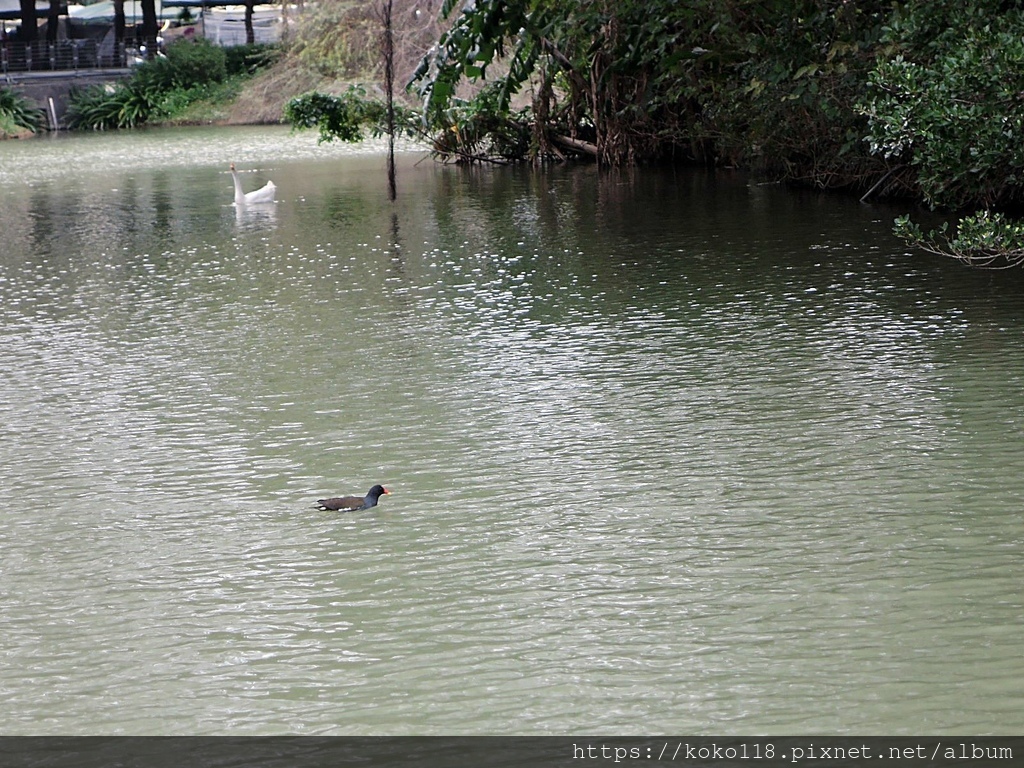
point(669, 453)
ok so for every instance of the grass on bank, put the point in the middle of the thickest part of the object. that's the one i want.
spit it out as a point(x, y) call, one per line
point(194, 83)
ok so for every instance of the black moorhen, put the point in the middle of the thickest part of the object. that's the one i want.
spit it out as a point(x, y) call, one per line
point(346, 503)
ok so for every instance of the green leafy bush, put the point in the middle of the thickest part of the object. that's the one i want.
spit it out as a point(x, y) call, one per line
point(112, 106)
point(249, 59)
point(192, 63)
point(956, 116)
point(482, 127)
point(17, 113)
point(337, 117)
point(984, 239)
point(769, 84)
point(344, 117)
point(948, 104)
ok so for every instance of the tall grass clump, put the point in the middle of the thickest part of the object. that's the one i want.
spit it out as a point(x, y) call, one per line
point(18, 116)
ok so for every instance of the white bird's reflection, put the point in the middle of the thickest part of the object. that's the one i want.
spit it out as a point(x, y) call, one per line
point(256, 215)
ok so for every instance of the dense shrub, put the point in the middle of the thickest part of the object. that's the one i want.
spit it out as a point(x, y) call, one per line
point(948, 106)
point(249, 59)
point(345, 117)
point(195, 63)
point(953, 108)
point(18, 114)
point(771, 84)
point(107, 106)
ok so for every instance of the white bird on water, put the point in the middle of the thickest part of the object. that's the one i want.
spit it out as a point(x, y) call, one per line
point(264, 194)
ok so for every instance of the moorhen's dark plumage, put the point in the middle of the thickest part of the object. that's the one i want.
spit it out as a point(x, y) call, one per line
point(345, 503)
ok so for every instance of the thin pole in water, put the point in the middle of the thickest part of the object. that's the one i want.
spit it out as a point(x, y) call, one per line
point(389, 90)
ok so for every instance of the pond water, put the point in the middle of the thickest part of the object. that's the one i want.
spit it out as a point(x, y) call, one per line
point(669, 451)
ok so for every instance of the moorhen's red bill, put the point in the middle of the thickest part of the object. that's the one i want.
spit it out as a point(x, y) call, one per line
point(345, 503)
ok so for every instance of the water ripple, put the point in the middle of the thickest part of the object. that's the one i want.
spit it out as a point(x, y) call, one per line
point(703, 457)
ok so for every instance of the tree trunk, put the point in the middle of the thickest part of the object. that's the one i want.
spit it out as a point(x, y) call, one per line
point(149, 27)
point(389, 91)
point(119, 32)
point(29, 32)
point(52, 20)
point(250, 33)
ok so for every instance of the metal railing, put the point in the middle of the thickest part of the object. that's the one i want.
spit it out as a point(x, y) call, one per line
point(62, 55)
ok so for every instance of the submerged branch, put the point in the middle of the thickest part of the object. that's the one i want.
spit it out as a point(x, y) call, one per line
point(580, 146)
point(880, 182)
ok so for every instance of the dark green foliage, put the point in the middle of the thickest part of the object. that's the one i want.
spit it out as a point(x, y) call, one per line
point(786, 96)
point(345, 117)
point(17, 112)
point(337, 117)
point(477, 36)
point(952, 105)
point(187, 64)
point(948, 103)
point(249, 59)
point(482, 128)
point(984, 239)
point(768, 83)
point(101, 107)
point(191, 63)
